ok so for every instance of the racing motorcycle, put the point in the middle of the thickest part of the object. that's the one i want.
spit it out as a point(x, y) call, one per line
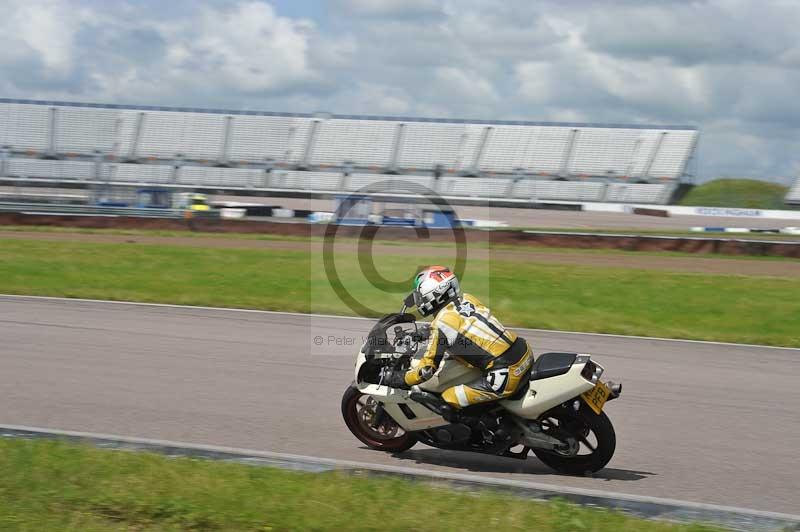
point(556, 412)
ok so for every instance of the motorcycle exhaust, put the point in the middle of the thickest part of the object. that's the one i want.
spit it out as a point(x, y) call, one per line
point(533, 437)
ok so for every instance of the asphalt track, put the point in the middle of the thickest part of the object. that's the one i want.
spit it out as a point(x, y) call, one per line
point(704, 422)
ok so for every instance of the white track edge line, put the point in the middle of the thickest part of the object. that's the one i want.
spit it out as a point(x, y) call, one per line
point(313, 315)
point(409, 471)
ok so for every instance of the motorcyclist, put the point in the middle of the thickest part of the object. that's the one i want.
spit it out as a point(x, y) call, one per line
point(466, 329)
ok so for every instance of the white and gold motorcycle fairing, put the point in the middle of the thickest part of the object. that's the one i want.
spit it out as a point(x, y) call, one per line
point(541, 396)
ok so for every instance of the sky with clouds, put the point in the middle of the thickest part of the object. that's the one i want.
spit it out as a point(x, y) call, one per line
point(730, 67)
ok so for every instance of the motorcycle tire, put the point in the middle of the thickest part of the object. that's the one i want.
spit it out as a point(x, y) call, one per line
point(605, 442)
point(352, 414)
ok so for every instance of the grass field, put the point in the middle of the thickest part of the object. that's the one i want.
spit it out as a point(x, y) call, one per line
point(735, 308)
point(749, 193)
point(47, 485)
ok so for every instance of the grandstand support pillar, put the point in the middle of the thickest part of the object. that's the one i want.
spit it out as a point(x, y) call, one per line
point(475, 167)
point(347, 170)
point(573, 136)
point(305, 163)
point(133, 153)
point(653, 154)
point(436, 179)
point(634, 156)
point(115, 147)
point(99, 159)
point(666, 193)
point(4, 156)
point(690, 161)
point(269, 166)
point(391, 168)
point(606, 193)
point(177, 163)
point(535, 194)
point(52, 127)
point(223, 160)
point(287, 155)
point(519, 175)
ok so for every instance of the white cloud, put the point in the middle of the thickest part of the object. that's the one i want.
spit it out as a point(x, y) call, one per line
point(646, 82)
point(42, 32)
point(373, 98)
point(468, 85)
point(536, 82)
point(248, 48)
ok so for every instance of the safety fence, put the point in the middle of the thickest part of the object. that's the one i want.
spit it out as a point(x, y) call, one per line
point(89, 210)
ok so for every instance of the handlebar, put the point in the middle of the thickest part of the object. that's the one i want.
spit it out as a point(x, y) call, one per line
point(403, 341)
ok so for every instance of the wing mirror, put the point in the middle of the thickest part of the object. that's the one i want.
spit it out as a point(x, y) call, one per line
point(409, 300)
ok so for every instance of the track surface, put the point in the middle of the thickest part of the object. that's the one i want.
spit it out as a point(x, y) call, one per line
point(697, 421)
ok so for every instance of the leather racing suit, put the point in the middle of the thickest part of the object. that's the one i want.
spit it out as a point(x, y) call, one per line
point(467, 330)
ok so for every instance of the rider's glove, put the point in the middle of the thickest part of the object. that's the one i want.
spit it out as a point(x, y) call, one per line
point(396, 379)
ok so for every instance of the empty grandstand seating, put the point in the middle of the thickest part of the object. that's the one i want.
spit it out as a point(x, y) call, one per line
point(255, 138)
point(210, 176)
point(25, 127)
point(307, 181)
point(66, 170)
point(522, 160)
point(365, 143)
point(140, 173)
point(559, 190)
point(540, 149)
point(398, 184)
point(638, 193)
point(475, 187)
point(85, 130)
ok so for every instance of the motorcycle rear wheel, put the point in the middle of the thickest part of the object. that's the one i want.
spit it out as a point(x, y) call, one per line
point(358, 411)
point(593, 433)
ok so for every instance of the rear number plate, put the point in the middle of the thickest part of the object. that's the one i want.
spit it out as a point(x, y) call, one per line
point(597, 397)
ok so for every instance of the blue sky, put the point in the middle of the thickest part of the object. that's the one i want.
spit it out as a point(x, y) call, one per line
point(730, 67)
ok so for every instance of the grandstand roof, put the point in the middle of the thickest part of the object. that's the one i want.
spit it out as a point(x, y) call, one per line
point(133, 107)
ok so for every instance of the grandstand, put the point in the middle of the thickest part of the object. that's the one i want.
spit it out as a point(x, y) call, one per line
point(793, 196)
point(322, 153)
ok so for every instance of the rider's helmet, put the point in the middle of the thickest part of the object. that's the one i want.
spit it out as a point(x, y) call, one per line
point(435, 287)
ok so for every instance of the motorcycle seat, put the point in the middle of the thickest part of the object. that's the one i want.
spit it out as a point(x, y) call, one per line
point(551, 365)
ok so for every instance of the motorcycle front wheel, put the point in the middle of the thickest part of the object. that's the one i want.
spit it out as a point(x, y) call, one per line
point(591, 436)
point(365, 418)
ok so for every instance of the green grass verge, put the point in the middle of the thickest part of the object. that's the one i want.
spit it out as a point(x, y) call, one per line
point(149, 232)
point(46, 485)
point(746, 193)
point(763, 310)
